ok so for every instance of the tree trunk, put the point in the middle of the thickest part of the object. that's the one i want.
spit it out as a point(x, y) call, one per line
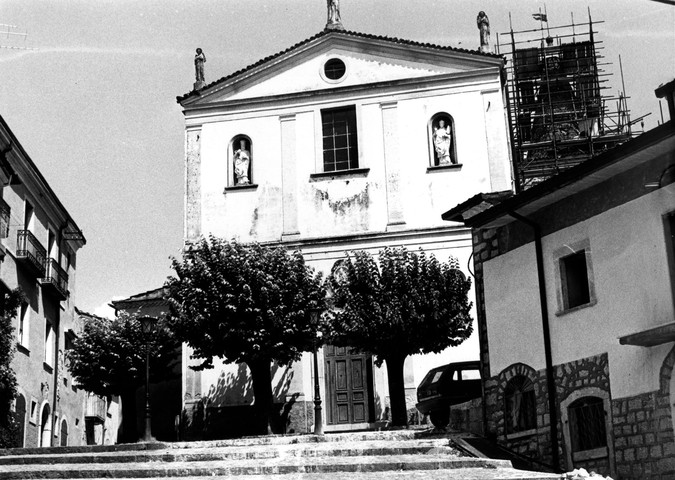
point(399, 413)
point(129, 420)
point(262, 391)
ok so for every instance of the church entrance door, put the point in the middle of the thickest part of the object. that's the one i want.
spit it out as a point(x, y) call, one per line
point(349, 386)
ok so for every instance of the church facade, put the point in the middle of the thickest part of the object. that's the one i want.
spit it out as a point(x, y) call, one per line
point(342, 142)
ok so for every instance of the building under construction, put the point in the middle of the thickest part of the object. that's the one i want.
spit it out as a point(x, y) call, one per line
point(560, 110)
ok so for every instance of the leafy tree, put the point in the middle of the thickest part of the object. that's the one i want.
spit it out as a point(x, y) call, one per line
point(9, 303)
point(246, 303)
point(410, 304)
point(108, 358)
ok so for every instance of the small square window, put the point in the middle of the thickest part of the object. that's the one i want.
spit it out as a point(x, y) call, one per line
point(574, 279)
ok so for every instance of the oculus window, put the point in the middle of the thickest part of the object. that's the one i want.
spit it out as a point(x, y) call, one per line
point(334, 69)
point(340, 144)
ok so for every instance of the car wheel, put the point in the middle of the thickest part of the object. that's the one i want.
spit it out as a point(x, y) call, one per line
point(440, 418)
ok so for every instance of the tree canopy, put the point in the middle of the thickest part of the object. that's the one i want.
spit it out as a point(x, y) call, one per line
point(9, 303)
point(245, 303)
point(108, 357)
point(410, 304)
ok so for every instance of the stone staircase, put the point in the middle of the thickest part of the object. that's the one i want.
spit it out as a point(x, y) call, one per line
point(399, 455)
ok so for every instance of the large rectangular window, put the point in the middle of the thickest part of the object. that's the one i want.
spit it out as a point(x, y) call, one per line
point(340, 146)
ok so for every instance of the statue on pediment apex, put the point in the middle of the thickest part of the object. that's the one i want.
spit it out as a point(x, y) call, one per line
point(334, 21)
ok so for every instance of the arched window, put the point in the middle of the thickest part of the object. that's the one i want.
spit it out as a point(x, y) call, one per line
point(442, 140)
point(587, 424)
point(64, 433)
point(520, 409)
point(241, 160)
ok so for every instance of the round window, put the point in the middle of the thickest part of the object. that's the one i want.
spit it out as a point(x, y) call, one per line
point(334, 69)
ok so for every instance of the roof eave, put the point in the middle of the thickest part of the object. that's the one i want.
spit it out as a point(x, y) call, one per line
point(496, 216)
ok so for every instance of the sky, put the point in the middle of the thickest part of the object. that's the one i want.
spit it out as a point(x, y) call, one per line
point(94, 100)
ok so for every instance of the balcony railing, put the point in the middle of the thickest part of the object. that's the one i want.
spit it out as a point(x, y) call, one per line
point(96, 409)
point(31, 252)
point(56, 279)
point(4, 219)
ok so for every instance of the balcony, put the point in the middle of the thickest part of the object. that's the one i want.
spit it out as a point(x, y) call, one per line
point(95, 410)
point(30, 252)
point(56, 279)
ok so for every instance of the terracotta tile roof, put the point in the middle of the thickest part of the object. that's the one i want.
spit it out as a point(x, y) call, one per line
point(348, 33)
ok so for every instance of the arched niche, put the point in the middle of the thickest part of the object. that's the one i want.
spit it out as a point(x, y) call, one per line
point(240, 155)
point(442, 140)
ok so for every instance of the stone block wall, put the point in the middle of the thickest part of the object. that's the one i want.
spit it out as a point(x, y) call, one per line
point(592, 372)
point(643, 431)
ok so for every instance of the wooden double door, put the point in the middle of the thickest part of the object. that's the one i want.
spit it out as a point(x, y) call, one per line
point(349, 386)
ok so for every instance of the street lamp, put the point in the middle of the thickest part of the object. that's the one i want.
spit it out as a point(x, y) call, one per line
point(318, 421)
point(147, 327)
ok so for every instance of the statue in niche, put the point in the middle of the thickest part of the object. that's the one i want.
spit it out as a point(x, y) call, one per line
point(242, 160)
point(334, 20)
point(484, 27)
point(200, 59)
point(442, 142)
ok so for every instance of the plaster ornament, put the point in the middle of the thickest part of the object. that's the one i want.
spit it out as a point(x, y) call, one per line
point(484, 27)
point(200, 59)
point(242, 159)
point(334, 21)
point(442, 141)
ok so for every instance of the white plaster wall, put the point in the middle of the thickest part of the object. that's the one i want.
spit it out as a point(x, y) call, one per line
point(632, 288)
point(355, 204)
point(513, 311)
point(360, 68)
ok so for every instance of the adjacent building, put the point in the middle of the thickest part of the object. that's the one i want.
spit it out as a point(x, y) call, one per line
point(39, 241)
point(575, 281)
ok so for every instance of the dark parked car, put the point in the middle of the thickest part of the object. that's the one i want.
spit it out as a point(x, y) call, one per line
point(445, 386)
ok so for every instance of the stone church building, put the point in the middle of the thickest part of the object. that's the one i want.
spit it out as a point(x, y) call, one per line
point(344, 141)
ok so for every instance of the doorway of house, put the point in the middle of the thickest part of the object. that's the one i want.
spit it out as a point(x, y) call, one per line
point(349, 387)
point(46, 426)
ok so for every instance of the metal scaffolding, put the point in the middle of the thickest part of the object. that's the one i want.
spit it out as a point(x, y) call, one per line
point(560, 113)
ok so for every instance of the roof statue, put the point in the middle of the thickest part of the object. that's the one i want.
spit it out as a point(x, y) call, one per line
point(484, 27)
point(200, 59)
point(334, 21)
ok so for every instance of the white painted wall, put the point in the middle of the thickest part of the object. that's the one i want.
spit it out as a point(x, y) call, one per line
point(332, 208)
point(632, 287)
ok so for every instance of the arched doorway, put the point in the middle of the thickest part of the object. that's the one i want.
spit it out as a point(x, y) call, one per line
point(46, 426)
point(64, 433)
point(20, 412)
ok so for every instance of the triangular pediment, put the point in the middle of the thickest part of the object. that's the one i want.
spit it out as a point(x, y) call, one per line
point(367, 60)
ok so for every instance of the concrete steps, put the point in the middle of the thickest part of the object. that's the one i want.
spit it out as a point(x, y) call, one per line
point(361, 456)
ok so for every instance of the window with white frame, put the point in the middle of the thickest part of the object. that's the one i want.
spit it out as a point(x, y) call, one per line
point(574, 279)
point(574, 276)
point(340, 142)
